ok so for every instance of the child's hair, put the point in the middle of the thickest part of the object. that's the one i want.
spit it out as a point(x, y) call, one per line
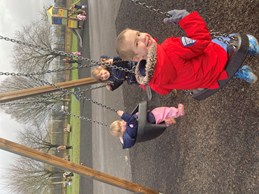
point(96, 72)
point(120, 46)
point(115, 128)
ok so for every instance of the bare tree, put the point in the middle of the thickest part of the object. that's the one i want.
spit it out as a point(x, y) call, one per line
point(37, 108)
point(26, 176)
point(36, 137)
point(29, 59)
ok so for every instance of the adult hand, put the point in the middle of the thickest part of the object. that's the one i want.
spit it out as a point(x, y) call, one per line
point(176, 16)
point(120, 112)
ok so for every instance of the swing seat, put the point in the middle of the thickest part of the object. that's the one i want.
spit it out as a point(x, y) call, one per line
point(146, 130)
point(236, 59)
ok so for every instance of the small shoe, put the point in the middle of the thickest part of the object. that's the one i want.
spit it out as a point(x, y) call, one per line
point(245, 73)
point(253, 46)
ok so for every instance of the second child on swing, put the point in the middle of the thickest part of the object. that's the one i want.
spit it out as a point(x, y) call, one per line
point(127, 128)
point(114, 75)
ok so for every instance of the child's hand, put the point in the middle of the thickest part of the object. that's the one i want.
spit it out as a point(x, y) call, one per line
point(169, 121)
point(120, 112)
point(107, 61)
point(108, 87)
point(176, 16)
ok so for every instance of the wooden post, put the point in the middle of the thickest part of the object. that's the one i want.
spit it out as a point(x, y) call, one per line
point(73, 167)
point(19, 94)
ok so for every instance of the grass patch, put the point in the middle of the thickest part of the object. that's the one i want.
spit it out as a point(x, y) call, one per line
point(74, 137)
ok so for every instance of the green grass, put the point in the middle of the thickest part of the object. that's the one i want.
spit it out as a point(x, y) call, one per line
point(74, 137)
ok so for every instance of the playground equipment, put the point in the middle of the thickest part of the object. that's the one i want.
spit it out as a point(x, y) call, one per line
point(60, 16)
point(146, 130)
point(239, 44)
point(239, 52)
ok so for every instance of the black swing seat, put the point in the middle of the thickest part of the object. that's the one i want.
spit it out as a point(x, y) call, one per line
point(146, 130)
point(237, 55)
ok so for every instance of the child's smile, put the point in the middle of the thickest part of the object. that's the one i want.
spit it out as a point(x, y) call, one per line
point(139, 43)
point(104, 74)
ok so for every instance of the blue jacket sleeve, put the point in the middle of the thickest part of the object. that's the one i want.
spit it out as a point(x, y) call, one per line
point(126, 117)
point(128, 141)
point(115, 84)
point(132, 124)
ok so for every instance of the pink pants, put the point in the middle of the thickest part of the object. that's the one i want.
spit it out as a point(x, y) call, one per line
point(162, 113)
point(81, 17)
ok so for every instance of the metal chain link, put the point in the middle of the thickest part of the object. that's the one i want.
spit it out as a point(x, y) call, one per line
point(47, 99)
point(92, 88)
point(65, 91)
point(221, 36)
point(62, 53)
point(79, 116)
point(151, 8)
point(92, 62)
point(80, 93)
point(36, 104)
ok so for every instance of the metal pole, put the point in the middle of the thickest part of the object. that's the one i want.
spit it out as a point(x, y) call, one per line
point(19, 94)
point(73, 167)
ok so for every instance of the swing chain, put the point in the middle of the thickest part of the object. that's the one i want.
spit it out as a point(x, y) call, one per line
point(92, 88)
point(150, 7)
point(214, 34)
point(47, 99)
point(70, 114)
point(221, 36)
point(79, 116)
point(62, 53)
point(65, 91)
point(47, 71)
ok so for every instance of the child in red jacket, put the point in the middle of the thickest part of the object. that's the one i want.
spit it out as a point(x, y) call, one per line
point(185, 63)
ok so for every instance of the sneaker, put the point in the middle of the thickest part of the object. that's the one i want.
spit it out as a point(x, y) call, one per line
point(246, 73)
point(253, 45)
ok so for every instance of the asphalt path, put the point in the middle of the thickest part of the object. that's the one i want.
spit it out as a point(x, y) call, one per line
point(99, 149)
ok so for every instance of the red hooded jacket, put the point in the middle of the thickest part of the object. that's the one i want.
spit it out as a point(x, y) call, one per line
point(185, 63)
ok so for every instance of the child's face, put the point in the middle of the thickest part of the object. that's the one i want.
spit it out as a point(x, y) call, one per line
point(123, 126)
point(139, 43)
point(104, 74)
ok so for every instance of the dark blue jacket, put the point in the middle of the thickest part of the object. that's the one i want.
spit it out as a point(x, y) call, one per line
point(130, 135)
point(117, 77)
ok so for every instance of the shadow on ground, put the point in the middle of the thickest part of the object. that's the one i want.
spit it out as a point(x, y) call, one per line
point(213, 148)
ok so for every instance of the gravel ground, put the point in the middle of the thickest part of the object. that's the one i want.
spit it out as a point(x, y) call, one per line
point(214, 147)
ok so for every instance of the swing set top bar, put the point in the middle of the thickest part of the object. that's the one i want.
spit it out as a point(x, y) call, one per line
point(73, 167)
point(19, 94)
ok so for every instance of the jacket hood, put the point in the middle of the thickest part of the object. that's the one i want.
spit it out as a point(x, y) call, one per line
point(143, 77)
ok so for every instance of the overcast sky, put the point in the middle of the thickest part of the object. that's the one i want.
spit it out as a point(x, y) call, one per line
point(13, 15)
